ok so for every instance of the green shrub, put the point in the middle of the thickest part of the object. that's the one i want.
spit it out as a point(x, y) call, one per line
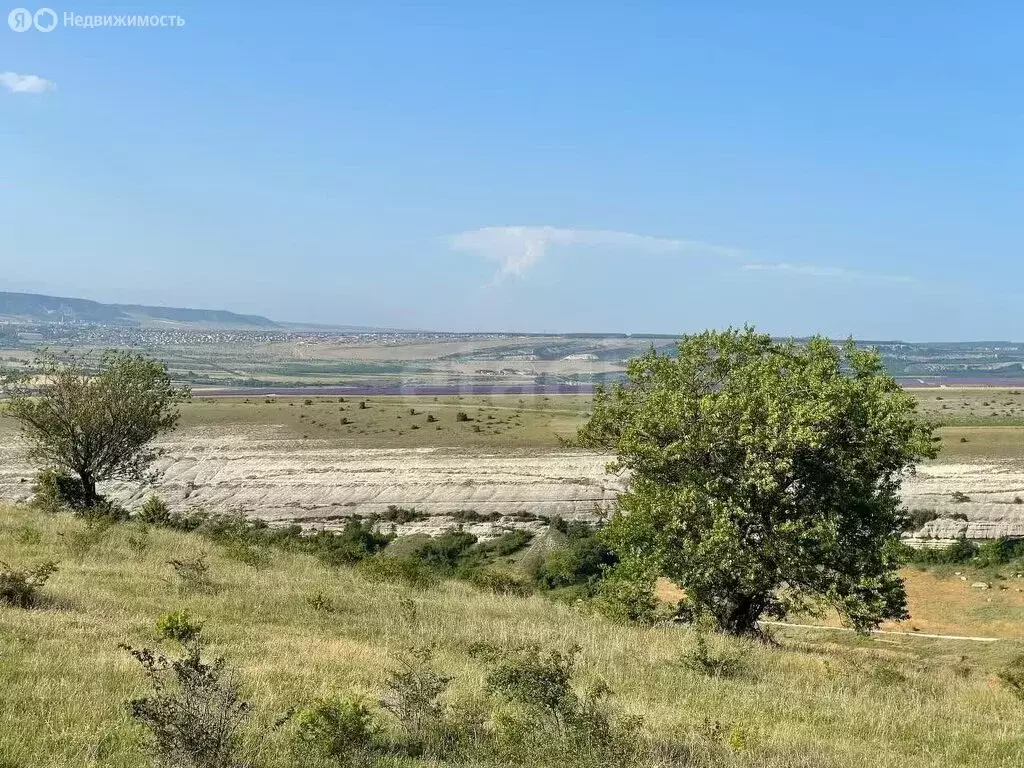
point(179, 626)
point(961, 551)
point(105, 510)
point(404, 569)
point(999, 552)
point(195, 711)
point(246, 552)
point(193, 575)
point(462, 416)
point(443, 554)
point(20, 587)
point(583, 562)
point(917, 518)
point(340, 729)
point(154, 510)
point(700, 658)
point(500, 583)
point(401, 515)
point(54, 492)
point(413, 696)
point(508, 543)
point(357, 541)
point(629, 599)
point(552, 720)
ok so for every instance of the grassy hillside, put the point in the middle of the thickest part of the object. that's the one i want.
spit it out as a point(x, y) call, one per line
point(817, 700)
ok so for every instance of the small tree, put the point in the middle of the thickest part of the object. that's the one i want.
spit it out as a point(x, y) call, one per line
point(764, 476)
point(95, 425)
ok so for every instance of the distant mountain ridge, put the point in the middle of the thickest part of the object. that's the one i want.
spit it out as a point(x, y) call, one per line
point(38, 308)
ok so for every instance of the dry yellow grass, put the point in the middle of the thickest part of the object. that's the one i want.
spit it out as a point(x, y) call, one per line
point(815, 701)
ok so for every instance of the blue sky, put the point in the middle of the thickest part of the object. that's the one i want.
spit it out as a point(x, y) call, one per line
point(540, 166)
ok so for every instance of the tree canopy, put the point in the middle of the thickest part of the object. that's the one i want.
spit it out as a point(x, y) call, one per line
point(96, 424)
point(763, 477)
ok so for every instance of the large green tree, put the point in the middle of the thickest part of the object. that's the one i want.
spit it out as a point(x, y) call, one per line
point(763, 477)
point(94, 422)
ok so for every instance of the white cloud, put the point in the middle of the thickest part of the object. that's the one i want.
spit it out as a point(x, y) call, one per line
point(16, 83)
point(517, 249)
point(815, 270)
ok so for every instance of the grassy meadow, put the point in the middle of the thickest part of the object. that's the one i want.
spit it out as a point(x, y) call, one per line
point(819, 699)
point(975, 423)
point(391, 421)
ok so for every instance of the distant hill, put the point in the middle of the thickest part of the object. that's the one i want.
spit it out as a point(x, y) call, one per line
point(36, 308)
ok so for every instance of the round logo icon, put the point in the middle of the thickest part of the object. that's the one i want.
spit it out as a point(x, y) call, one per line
point(20, 19)
point(45, 20)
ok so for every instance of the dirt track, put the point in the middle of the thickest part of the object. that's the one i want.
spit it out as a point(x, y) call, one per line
point(268, 474)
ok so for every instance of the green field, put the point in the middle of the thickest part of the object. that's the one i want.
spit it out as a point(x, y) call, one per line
point(820, 699)
point(543, 422)
point(977, 406)
point(493, 422)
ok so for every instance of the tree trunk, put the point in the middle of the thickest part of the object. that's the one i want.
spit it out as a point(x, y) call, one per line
point(89, 496)
point(745, 613)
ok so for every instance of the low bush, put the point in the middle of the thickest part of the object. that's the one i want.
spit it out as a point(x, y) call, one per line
point(629, 599)
point(154, 510)
point(445, 553)
point(403, 569)
point(105, 510)
point(500, 583)
point(356, 541)
point(193, 574)
point(246, 552)
point(917, 518)
point(343, 730)
point(179, 626)
point(413, 697)
point(999, 552)
point(20, 587)
point(550, 719)
point(508, 543)
point(961, 551)
point(194, 712)
point(54, 492)
point(700, 658)
point(583, 562)
point(400, 515)
point(472, 516)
